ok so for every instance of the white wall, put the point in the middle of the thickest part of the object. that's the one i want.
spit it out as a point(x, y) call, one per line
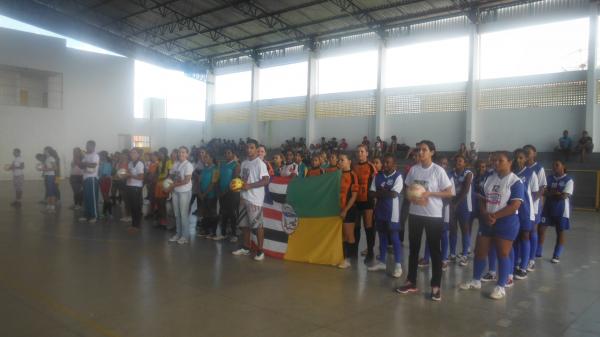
point(276, 133)
point(445, 129)
point(351, 128)
point(231, 130)
point(98, 96)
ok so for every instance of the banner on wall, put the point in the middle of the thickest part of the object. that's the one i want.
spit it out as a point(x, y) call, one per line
point(301, 219)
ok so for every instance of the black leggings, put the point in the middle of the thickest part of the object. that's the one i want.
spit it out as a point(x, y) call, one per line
point(133, 198)
point(77, 187)
point(228, 207)
point(433, 231)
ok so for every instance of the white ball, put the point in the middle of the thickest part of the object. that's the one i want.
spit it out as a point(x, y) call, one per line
point(167, 183)
point(415, 191)
point(121, 172)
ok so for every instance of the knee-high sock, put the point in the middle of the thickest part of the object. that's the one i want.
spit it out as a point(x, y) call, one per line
point(525, 249)
point(445, 239)
point(453, 241)
point(357, 234)
point(478, 267)
point(383, 243)
point(370, 240)
point(492, 259)
point(558, 248)
point(397, 247)
point(533, 238)
point(466, 242)
point(504, 269)
point(426, 254)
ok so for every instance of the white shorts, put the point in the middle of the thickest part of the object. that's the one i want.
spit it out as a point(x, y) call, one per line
point(250, 215)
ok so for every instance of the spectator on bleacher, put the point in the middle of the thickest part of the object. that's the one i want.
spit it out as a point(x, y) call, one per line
point(393, 147)
point(366, 142)
point(343, 144)
point(378, 148)
point(564, 145)
point(472, 153)
point(462, 151)
point(584, 146)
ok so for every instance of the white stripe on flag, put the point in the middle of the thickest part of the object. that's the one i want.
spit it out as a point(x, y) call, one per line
point(278, 188)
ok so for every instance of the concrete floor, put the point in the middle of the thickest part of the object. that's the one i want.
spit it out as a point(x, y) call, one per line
point(63, 278)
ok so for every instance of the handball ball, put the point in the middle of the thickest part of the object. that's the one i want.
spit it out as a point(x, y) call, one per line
point(7, 167)
point(415, 191)
point(39, 166)
point(236, 185)
point(121, 172)
point(167, 183)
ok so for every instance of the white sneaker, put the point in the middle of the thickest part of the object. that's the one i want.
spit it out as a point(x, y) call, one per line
point(259, 256)
point(218, 237)
point(233, 239)
point(498, 293)
point(182, 241)
point(82, 219)
point(241, 252)
point(473, 284)
point(531, 265)
point(125, 219)
point(463, 261)
point(555, 260)
point(345, 264)
point(174, 238)
point(377, 266)
point(397, 271)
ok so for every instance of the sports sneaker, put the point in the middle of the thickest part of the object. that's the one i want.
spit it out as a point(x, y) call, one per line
point(218, 237)
point(182, 241)
point(521, 274)
point(452, 258)
point(407, 288)
point(444, 265)
point(241, 251)
point(509, 282)
point(498, 293)
point(259, 256)
point(436, 295)
point(82, 219)
point(345, 264)
point(397, 270)
point(233, 239)
point(125, 219)
point(463, 260)
point(201, 234)
point(364, 252)
point(209, 236)
point(531, 265)
point(423, 263)
point(174, 238)
point(473, 284)
point(489, 277)
point(377, 266)
point(555, 259)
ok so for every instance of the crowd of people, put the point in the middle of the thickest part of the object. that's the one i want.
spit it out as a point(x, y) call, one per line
point(508, 194)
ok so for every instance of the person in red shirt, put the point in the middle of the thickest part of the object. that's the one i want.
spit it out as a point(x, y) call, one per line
point(348, 195)
point(365, 172)
point(315, 169)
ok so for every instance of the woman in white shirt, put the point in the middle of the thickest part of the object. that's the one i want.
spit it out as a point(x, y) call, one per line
point(181, 195)
point(133, 190)
point(425, 212)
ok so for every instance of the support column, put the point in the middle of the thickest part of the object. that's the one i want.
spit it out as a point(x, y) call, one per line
point(210, 101)
point(379, 92)
point(591, 107)
point(311, 97)
point(472, 93)
point(253, 117)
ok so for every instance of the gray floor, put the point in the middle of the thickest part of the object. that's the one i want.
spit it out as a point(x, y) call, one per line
point(62, 278)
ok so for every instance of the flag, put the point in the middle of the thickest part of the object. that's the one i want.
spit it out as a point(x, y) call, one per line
point(301, 219)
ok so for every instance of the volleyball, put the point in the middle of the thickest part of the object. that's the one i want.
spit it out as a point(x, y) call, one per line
point(236, 184)
point(7, 167)
point(167, 183)
point(121, 173)
point(39, 166)
point(415, 191)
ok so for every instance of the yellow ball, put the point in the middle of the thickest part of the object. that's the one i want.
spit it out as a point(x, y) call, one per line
point(236, 184)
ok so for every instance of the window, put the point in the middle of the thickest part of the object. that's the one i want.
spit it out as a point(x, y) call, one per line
point(161, 93)
point(435, 62)
point(141, 141)
point(234, 87)
point(549, 48)
point(30, 87)
point(6, 22)
point(352, 72)
point(283, 81)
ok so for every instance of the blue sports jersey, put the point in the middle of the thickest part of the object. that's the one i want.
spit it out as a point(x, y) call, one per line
point(530, 185)
point(558, 206)
point(388, 209)
point(538, 169)
point(499, 192)
point(226, 172)
point(466, 206)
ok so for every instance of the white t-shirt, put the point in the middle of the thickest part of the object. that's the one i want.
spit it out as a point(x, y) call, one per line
point(76, 170)
point(17, 162)
point(91, 172)
point(182, 169)
point(135, 171)
point(49, 163)
point(500, 191)
point(539, 171)
point(434, 179)
point(253, 171)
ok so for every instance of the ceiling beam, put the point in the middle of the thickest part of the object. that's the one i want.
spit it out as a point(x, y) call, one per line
point(140, 12)
point(360, 15)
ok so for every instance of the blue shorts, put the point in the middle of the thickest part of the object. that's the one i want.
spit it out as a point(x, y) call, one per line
point(560, 222)
point(526, 225)
point(507, 228)
point(51, 188)
point(387, 226)
point(463, 216)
